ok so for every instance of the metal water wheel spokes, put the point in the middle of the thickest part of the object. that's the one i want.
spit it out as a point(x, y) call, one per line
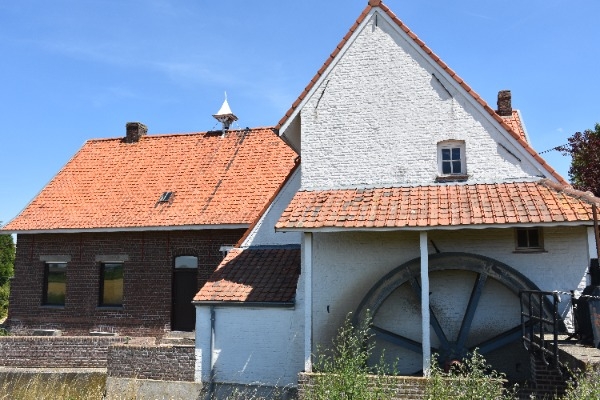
point(474, 303)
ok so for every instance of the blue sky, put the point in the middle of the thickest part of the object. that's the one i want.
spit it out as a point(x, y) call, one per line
point(74, 70)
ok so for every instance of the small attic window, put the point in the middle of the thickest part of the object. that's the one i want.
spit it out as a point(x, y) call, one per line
point(165, 197)
point(452, 165)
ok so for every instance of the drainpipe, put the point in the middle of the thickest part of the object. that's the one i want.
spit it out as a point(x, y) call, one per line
point(211, 385)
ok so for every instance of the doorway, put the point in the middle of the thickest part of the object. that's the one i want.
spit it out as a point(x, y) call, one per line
point(185, 286)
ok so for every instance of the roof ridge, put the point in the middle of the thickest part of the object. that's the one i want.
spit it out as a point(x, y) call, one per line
point(568, 189)
point(379, 4)
point(162, 135)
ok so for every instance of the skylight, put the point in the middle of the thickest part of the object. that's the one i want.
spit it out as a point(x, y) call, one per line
point(165, 197)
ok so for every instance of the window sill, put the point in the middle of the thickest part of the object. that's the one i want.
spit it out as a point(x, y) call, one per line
point(109, 308)
point(52, 306)
point(529, 251)
point(451, 178)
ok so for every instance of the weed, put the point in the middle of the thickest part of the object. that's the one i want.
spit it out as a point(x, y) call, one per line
point(344, 372)
point(470, 379)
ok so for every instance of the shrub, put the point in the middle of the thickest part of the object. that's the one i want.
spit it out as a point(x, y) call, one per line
point(584, 386)
point(470, 380)
point(343, 370)
point(4, 292)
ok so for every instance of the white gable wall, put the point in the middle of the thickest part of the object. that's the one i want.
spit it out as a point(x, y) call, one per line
point(376, 117)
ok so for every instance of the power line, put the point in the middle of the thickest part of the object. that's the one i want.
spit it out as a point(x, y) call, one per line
point(557, 148)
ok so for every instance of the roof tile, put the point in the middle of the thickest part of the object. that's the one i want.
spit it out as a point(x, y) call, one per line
point(438, 205)
point(113, 184)
point(254, 275)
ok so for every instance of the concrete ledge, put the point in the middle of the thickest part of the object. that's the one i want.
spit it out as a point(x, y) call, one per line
point(120, 388)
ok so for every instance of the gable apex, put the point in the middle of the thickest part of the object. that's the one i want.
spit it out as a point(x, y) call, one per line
point(378, 13)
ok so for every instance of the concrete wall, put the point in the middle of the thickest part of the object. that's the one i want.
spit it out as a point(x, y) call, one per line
point(377, 116)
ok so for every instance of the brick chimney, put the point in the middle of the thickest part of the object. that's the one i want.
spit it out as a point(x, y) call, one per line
point(134, 131)
point(504, 103)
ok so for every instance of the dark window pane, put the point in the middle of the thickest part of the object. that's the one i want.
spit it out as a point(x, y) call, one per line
point(56, 284)
point(456, 167)
point(446, 168)
point(534, 238)
point(529, 238)
point(445, 154)
point(112, 285)
point(522, 238)
point(456, 153)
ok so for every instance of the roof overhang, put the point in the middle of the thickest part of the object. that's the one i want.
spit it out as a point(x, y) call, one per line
point(260, 304)
point(438, 227)
point(129, 229)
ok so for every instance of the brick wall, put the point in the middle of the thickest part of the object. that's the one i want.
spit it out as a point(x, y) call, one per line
point(404, 387)
point(148, 273)
point(169, 363)
point(55, 352)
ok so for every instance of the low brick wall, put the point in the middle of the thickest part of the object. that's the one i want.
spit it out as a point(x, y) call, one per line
point(169, 363)
point(58, 351)
point(404, 387)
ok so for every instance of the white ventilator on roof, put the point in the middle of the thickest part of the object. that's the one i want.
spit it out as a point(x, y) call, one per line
point(225, 116)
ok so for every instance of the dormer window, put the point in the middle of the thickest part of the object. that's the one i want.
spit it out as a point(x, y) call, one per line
point(451, 160)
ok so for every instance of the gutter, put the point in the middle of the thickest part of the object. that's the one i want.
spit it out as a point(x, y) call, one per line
point(264, 304)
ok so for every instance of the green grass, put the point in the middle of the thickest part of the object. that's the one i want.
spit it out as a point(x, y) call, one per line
point(21, 386)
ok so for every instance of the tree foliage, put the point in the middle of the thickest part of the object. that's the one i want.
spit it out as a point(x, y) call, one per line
point(584, 149)
point(7, 258)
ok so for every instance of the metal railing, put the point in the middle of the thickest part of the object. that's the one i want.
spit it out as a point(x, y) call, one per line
point(541, 324)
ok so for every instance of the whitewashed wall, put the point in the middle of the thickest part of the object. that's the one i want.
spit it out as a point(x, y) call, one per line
point(376, 119)
point(347, 265)
point(263, 233)
point(253, 346)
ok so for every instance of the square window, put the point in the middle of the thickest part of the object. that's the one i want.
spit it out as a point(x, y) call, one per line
point(451, 157)
point(111, 284)
point(529, 239)
point(55, 284)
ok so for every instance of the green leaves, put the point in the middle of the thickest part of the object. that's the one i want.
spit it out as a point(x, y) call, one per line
point(584, 149)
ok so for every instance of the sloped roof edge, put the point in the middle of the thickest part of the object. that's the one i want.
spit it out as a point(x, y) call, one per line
point(478, 99)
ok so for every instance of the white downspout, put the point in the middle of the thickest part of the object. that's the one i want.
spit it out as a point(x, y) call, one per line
point(425, 327)
point(307, 271)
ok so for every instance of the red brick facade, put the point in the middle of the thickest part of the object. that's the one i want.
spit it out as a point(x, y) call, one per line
point(148, 271)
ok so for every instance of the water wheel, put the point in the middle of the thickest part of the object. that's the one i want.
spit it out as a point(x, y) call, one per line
point(474, 303)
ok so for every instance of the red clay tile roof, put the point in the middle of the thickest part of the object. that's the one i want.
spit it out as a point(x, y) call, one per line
point(254, 275)
point(438, 206)
point(515, 123)
point(435, 58)
point(113, 184)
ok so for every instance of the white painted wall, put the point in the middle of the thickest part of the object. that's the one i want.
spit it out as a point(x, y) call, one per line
point(253, 345)
point(377, 116)
point(263, 233)
point(346, 265)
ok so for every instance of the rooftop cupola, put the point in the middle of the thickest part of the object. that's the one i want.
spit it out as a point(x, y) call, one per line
point(225, 116)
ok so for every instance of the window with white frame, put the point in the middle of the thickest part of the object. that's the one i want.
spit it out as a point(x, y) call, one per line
point(451, 158)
